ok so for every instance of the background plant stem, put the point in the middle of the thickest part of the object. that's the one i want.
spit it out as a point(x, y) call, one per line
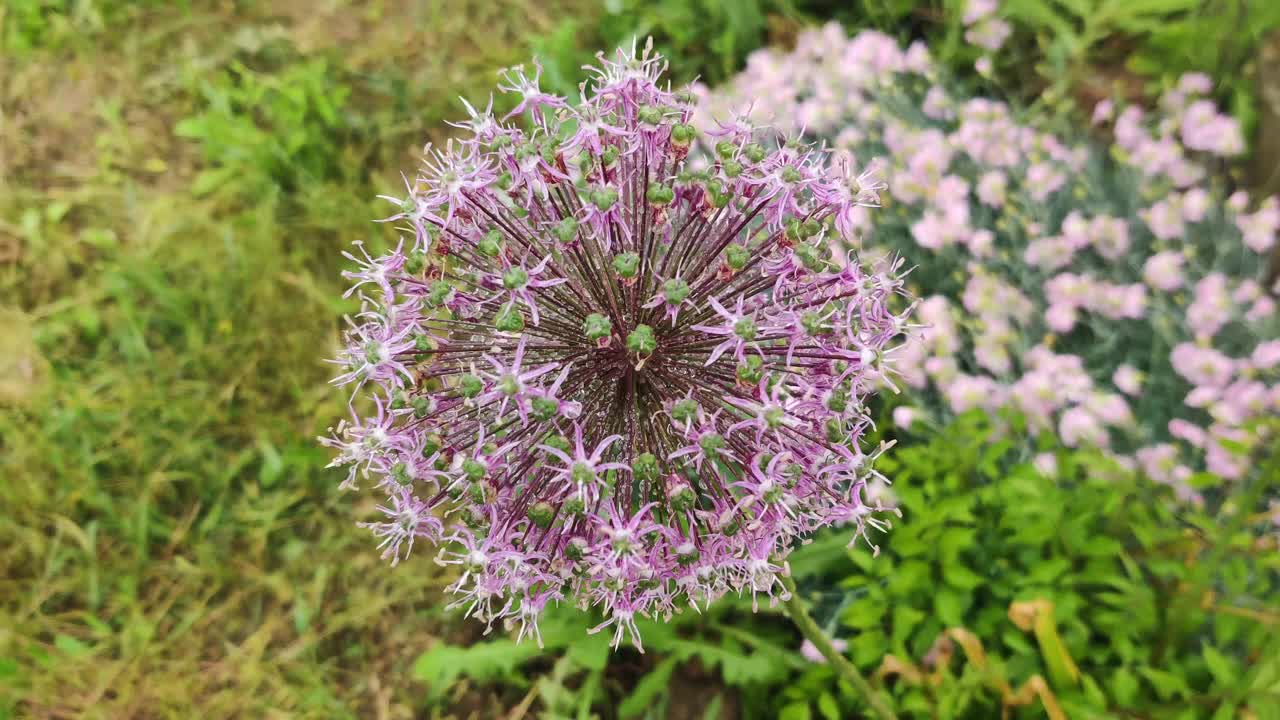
point(799, 615)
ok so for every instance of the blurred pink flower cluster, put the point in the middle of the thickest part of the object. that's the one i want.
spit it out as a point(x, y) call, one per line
point(1116, 296)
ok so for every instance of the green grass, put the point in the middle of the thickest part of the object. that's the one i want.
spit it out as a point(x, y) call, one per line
point(175, 187)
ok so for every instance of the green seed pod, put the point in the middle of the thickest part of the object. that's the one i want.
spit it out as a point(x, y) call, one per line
point(604, 198)
point(684, 411)
point(687, 554)
point(543, 409)
point(583, 474)
point(510, 319)
point(567, 230)
point(415, 262)
point(559, 442)
point(711, 443)
point(421, 405)
point(474, 470)
point(575, 549)
point(773, 495)
point(675, 291)
point(440, 293)
point(660, 194)
point(509, 385)
point(479, 524)
point(838, 401)
point(433, 445)
point(811, 258)
point(681, 497)
point(400, 473)
point(597, 327)
point(645, 467)
point(736, 257)
point(719, 195)
point(470, 386)
point(515, 279)
point(683, 135)
point(626, 265)
point(541, 514)
point(814, 323)
point(751, 372)
point(642, 341)
point(649, 115)
point(491, 244)
point(835, 431)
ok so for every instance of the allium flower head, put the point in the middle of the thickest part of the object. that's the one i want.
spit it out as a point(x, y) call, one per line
point(604, 377)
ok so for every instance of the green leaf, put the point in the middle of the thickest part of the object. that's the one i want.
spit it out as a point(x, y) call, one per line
point(590, 651)
point(795, 711)
point(1080, 8)
point(1048, 571)
point(865, 613)
point(910, 577)
point(1228, 628)
point(828, 707)
point(951, 606)
point(71, 647)
point(1125, 686)
point(1039, 15)
point(905, 619)
point(1244, 106)
point(827, 553)
point(1102, 546)
point(647, 689)
point(961, 577)
point(1092, 693)
point(1122, 9)
point(1225, 711)
point(868, 647)
point(907, 543)
point(301, 615)
point(1223, 668)
point(746, 668)
point(496, 659)
point(1166, 684)
point(952, 542)
point(714, 708)
point(991, 457)
point(191, 128)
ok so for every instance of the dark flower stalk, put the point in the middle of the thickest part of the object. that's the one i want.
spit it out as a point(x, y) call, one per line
point(606, 373)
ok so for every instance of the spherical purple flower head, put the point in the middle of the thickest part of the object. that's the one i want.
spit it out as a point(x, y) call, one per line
point(601, 376)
